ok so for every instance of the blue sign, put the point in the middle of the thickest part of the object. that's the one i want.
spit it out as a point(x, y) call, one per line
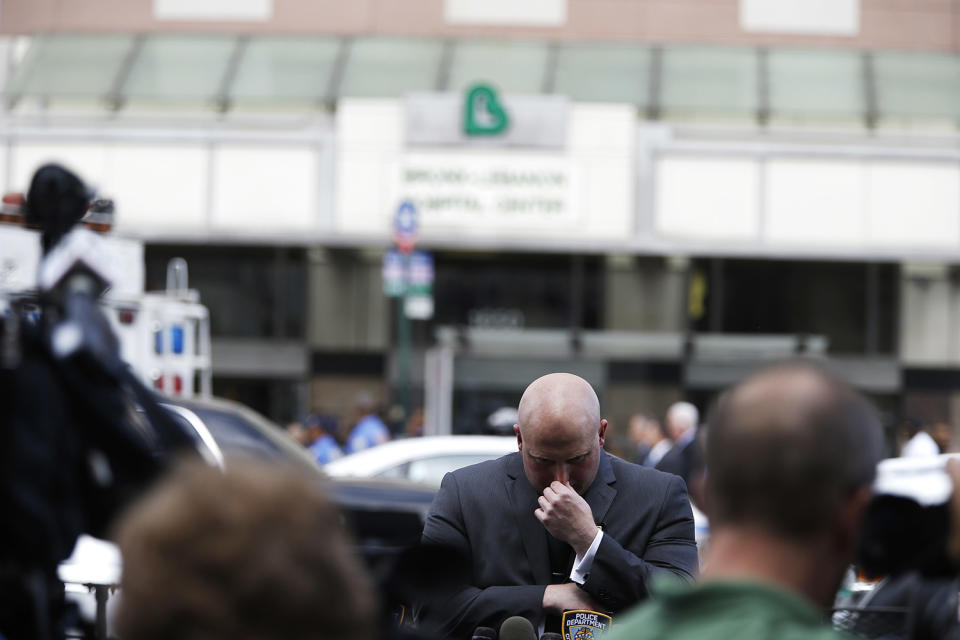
point(405, 221)
point(420, 273)
point(394, 274)
point(405, 226)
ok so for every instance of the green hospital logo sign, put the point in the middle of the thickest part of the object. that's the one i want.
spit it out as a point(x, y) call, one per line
point(483, 114)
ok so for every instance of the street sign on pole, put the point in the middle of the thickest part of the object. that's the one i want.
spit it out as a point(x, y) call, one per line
point(418, 303)
point(408, 276)
point(405, 227)
point(394, 274)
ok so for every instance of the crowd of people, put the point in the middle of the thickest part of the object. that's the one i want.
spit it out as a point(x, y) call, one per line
point(785, 471)
point(323, 435)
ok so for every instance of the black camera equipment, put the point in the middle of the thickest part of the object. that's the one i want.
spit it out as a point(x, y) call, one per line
point(908, 520)
point(79, 434)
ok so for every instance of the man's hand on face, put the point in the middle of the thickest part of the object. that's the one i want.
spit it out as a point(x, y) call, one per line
point(558, 598)
point(567, 516)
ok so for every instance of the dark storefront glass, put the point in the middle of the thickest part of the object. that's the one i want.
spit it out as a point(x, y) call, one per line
point(275, 399)
point(518, 290)
point(250, 292)
point(852, 304)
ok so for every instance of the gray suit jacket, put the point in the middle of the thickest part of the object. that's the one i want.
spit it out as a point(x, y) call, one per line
point(486, 512)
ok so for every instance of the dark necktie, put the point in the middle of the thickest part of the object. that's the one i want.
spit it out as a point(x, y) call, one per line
point(560, 555)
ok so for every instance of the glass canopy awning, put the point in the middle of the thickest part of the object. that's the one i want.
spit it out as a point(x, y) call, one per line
point(221, 73)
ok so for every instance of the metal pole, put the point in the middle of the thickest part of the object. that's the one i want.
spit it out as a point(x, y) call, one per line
point(404, 364)
point(101, 595)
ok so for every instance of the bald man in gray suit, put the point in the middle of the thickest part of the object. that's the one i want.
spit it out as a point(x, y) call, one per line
point(558, 525)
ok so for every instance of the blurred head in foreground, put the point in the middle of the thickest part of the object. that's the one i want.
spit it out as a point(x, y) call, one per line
point(257, 551)
point(791, 457)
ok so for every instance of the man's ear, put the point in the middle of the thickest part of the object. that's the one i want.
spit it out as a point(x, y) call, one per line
point(516, 430)
point(603, 431)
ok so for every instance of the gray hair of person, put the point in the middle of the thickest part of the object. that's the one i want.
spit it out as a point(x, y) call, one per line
point(785, 448)
point(684, 415)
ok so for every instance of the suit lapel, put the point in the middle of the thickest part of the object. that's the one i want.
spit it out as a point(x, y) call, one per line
point(532, 533)
point(601, 493)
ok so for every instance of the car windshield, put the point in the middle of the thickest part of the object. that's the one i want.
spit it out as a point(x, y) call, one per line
point(240, 432)
point(432, 469)
point(236, 436)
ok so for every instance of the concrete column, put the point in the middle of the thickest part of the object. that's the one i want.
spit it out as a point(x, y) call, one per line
point(347, 309)
point(645, 294)
point(928, 314)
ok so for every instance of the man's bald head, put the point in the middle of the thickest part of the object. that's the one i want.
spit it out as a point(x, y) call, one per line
point(558, 394)
point(559, 431)
point(786, 446)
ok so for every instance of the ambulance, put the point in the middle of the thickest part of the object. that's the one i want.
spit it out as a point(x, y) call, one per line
point(164, 335)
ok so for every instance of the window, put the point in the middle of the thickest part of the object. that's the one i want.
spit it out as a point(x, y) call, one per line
point(251, 292)
point(835, 300)
point(709, 80)
point(432, 470)
point(518, 291)
point(604, 73)
point(391, 67)
point(285, 69)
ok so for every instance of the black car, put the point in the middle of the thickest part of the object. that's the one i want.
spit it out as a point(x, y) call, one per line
point(379, 512)
point(384, 517)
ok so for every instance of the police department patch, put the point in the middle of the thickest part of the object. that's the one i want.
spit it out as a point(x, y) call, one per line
point(581, 624)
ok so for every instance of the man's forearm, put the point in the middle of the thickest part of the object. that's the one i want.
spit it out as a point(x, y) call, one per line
point(560, 597)
point(472, 607)
point(619, 579)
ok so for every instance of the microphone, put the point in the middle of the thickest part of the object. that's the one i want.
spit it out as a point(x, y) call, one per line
point(517, 628)
point(551, 635)
point(485, 633)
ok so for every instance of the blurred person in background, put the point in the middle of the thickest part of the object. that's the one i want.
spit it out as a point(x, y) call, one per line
point(413, 428)
point(297, 431)
point(681, 422)
point(650, 438)
point(942, 434)
point(321, 429)
point(395, 418)
point(636, 434)
point(501, 421)
point(918, 442)
point(792, 455)
point(256, 551)
point(685, 457)
point(369, 430)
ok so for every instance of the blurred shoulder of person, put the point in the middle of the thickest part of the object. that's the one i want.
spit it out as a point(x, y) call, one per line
point(256, 551)
point(322, 428)
point(369, 430)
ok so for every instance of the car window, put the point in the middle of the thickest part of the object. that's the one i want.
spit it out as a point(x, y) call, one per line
point(398, 471)
point(431, 470)
point(237, 437)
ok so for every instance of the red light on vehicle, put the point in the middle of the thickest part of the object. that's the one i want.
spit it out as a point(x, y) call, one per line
point(158, 383)
point(177, 385)
point(11, 208)
point(126, 316)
